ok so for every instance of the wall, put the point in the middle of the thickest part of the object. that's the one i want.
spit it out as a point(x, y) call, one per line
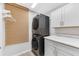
point(2, 29)
point(69, 14)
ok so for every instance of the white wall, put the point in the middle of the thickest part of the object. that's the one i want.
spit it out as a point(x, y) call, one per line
point(2, 29)
point(69, 14)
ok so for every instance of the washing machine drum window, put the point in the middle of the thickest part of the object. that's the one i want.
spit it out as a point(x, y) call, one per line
point(35, 24)
point(35, 43)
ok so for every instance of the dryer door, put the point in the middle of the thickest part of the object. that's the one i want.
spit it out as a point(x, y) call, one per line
point(35, 23)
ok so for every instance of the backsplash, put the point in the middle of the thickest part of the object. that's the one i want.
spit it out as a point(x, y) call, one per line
point(71, 32)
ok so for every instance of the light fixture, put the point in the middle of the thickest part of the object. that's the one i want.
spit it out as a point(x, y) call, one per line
point(8, 16)
point(33, 5)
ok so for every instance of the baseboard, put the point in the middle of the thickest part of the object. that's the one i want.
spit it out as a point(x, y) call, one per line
point(18, 54)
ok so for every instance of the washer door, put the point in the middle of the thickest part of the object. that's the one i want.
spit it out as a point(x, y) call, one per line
point(34, 44)
point(35, 23)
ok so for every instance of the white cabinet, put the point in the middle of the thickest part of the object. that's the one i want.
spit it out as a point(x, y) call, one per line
point(53, 48)
point(49, 50)
point(71, 15)
point(61, 52)
point(67, 15)
point(55, 18)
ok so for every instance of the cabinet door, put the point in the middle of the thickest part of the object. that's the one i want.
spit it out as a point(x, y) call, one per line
point(16, 32)
point(54, 19)
point(57, 18)
point(62, 53)
point(71, 15)
point(49, 50)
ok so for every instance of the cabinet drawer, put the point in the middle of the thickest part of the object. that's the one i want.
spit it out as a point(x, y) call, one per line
point(60, 52)
point(71, 50)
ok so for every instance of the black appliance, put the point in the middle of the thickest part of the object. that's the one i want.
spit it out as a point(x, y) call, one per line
point(40, 29)
point(38, 45)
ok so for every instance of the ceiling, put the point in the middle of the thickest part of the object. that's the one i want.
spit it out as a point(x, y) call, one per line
point(44, 8)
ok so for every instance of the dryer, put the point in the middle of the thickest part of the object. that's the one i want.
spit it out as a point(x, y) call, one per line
point(40, 25)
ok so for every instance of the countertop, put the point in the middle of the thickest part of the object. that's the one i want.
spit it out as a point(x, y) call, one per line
point(65, 40)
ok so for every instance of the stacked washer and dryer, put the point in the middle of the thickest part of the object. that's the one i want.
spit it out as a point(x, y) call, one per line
point(40, 29)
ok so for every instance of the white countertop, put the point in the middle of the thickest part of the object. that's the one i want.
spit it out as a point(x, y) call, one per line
point(65, 40)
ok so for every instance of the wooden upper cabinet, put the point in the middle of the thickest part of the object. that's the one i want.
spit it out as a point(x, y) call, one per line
point(17, 32)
